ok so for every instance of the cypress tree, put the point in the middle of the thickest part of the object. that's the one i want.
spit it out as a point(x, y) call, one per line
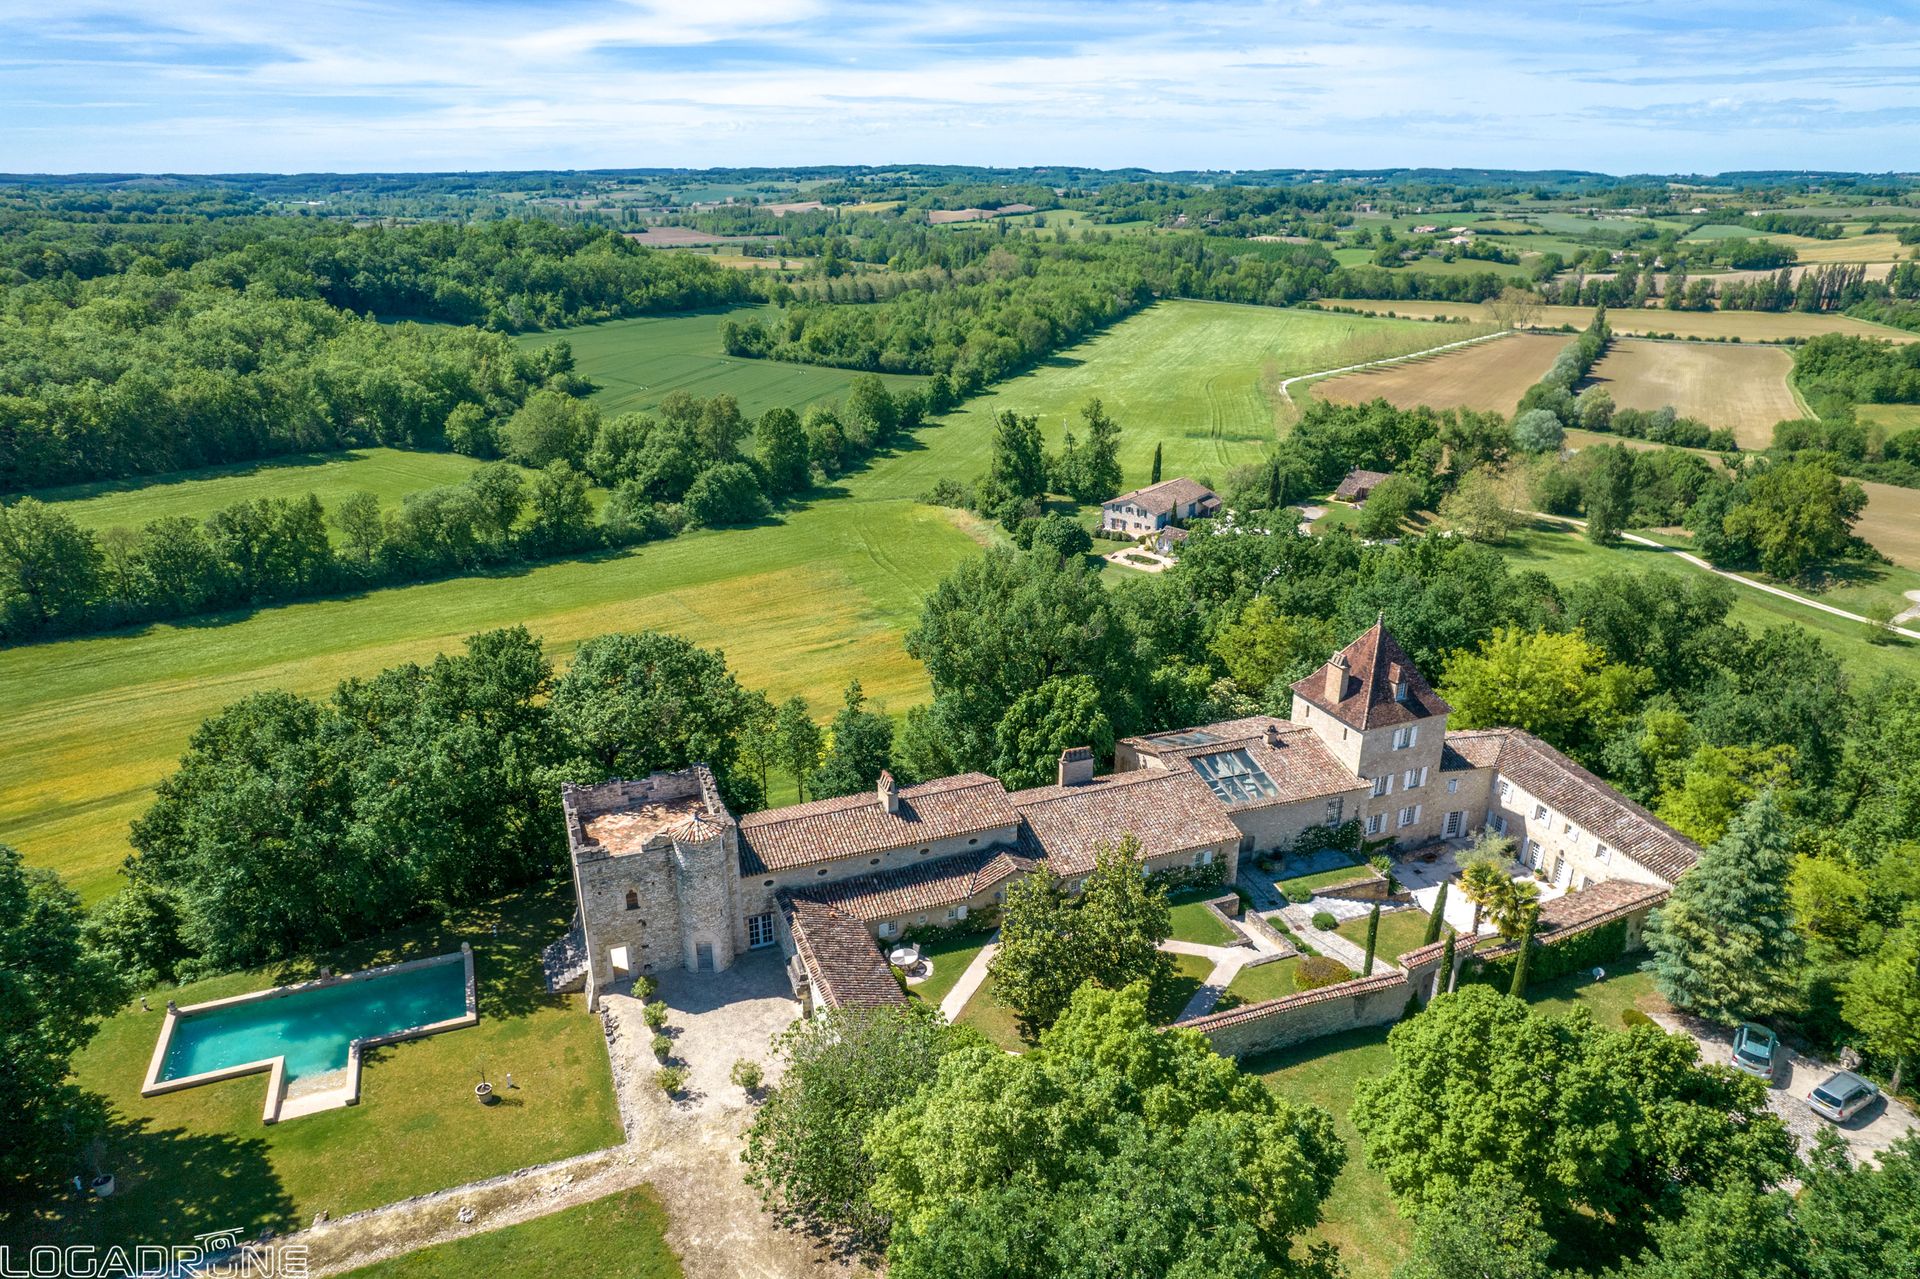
point(1439, 913)
point(1519, 988)
point(1373, 935)
point(1445, 983)
point(1156, 465)
point(1273, 486)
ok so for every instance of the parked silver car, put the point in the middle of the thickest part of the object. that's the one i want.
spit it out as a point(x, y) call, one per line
point(1842, 1095)
point(1755, 1049)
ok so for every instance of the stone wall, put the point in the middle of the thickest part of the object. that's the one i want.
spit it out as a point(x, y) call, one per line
point(1278, 828)
point(1257, 1028)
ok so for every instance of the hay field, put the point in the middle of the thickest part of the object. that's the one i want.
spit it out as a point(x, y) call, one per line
point(1892, 522)
point(1490, 376)
point(1895, 417)
point(1748, 326)
point(1741, 387)
point(1880, 247)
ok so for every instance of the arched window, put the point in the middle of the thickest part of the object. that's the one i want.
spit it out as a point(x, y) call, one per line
point(633, 900)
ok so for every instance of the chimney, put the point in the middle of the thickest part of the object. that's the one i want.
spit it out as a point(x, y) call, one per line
point(1398, 675)
point(888, 792)
point(1336, 677)
point(1076, 765)
point(1273, 735)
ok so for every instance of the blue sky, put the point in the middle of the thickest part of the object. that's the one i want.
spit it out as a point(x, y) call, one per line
point(1615, 85)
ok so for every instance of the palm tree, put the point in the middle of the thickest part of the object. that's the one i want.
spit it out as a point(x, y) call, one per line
point(1483, 883)
point(1515, 907)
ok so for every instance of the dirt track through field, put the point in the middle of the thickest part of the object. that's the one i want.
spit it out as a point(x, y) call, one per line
point(1490, 376)
point(1740, 387)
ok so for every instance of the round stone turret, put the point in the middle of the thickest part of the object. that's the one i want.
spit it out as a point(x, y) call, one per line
point(704, 889)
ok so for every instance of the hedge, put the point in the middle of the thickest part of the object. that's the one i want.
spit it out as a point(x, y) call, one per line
point(1597, 946)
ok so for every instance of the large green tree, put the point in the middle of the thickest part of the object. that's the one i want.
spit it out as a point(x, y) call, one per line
point(860, 743)
point(1794, 515)
point(1556, 685)
point(1060, 714)
point(783, 451)
point(1489, 1231)
point(1052, 943)
point(634, 702)
point(1114, 1148)
point(1724, 945)
point(54, 992)
point(841, 1071)
point(1881, 995)
point(49, 566)
point(1583, 1119)
point(1002, 624)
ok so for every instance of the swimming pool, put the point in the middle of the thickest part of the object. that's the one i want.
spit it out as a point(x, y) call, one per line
point(312, 1034)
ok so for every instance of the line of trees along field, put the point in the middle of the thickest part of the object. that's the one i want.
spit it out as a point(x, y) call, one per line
point(685, 465)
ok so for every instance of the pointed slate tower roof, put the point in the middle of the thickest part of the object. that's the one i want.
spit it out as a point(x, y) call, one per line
point(1380, 688)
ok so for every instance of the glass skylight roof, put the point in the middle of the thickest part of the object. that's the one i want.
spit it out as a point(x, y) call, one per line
point(1190, 737)
point(1234, 777)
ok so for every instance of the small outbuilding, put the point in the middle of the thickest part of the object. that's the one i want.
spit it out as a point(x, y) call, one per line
point(1358, 485)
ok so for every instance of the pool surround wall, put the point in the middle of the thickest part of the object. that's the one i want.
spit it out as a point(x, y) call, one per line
point(348, 1094)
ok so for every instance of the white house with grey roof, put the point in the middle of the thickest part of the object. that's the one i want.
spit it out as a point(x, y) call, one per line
point(666, 877)
point(1146, 511)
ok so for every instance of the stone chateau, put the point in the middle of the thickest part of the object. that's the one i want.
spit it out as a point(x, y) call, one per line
point(665, 875)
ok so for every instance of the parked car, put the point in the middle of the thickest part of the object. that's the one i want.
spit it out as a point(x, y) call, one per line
point(1842, 1096)
point(1754, 1050)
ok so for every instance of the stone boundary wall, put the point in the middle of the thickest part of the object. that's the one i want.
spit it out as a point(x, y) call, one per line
point(1229, 909)
point(1383, 998)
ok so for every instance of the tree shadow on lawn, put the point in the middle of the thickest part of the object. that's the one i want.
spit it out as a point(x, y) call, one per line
point(223, 470)
point(173, 1184)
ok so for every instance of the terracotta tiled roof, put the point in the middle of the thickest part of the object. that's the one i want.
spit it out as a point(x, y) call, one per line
point(841, 957)
point(1168, 812)
point(1358, 479)
point(1594, 906)
point(888, 894)
point(1167, 494)
point(1266, 1008)
point(1292, 755)
point(1595, 807)
point(828, 829)
point(1374, 662)
point(1468, 749)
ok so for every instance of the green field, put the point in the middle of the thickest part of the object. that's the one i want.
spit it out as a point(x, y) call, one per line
point(389, 474)
point(619, 1237)
point(800, 605)
point(637, 363)
point(1567, 556)
point(1895, 417)
point(200, 1159)
point(1195, 377)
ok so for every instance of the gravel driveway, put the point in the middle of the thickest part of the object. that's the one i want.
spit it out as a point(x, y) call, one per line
point(1867, 1133)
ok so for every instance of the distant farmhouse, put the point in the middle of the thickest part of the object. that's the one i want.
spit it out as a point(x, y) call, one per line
point(1359, 485)
point(1148, 510)
point(666, 877)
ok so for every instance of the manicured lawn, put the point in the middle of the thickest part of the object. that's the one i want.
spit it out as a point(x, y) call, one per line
point(619, 1237)
point(1319, 879)
point(1400, 932)
point(1193, 922)
point(1190, 973)
point(1262, 982)
point(200, 1159)
point(951, 957)
point(389, 474)
point(1624, 987)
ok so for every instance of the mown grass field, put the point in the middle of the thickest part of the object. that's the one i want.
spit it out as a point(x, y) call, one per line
point(389, 474)
point(200, 1159)
point(1487, 376)
point(1743, 388)
point(619, 1237)
point(637, 363)
point(1195, 377)
point(1748, 326)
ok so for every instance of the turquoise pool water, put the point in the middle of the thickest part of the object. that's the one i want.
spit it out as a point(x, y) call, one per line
point(312, 1028)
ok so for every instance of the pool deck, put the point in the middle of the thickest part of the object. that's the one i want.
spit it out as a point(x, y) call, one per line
point(318, 1092)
